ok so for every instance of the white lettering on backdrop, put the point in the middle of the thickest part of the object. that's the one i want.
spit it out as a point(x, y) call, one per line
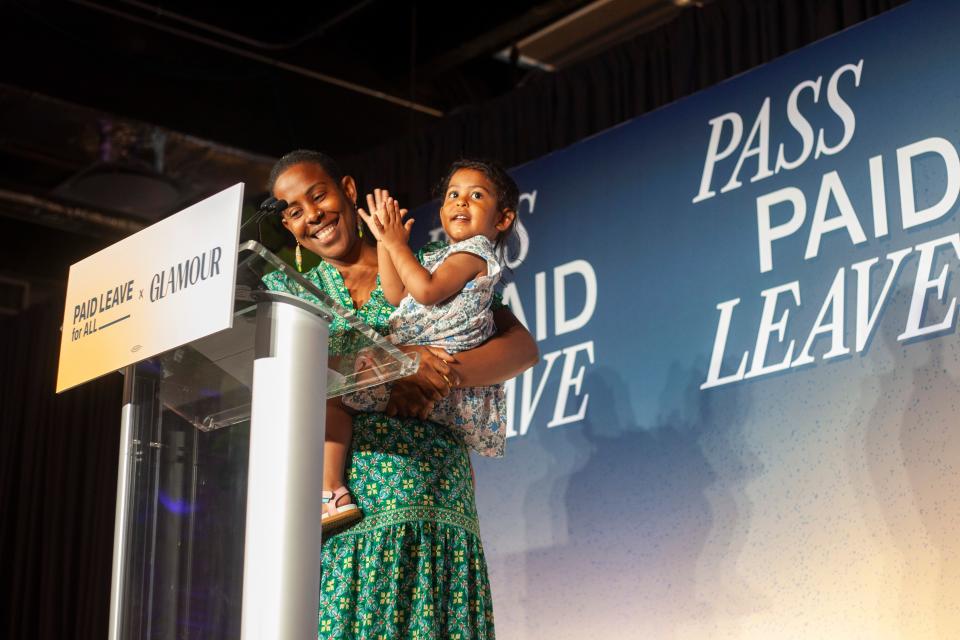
point(791, 205)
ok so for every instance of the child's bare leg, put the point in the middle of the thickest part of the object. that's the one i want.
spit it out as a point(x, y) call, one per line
point(339, 508)
point(339, 433)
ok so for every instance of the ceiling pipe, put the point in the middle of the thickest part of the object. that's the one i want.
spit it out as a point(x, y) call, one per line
point(267, 60)
point(160, 12)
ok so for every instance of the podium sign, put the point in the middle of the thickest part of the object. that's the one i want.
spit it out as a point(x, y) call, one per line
point(162, 287)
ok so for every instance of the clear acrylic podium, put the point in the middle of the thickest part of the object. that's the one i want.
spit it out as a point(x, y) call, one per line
point(217, 531)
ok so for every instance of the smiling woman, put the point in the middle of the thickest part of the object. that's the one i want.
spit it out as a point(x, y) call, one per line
point(414, 566)
point(322, 217)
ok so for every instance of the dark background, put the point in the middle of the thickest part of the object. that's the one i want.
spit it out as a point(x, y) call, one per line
point(116, 114)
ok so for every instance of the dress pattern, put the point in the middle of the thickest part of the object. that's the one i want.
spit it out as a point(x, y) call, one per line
point(462, 322)
point(478, 414)
point(413, 568)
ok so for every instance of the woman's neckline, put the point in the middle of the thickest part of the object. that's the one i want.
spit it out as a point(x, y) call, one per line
point(329, 272)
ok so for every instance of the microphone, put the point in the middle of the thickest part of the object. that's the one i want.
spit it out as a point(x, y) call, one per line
point(272, 205)
point(268, 207)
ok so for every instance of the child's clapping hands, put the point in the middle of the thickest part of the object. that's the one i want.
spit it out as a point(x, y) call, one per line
point(386, 219)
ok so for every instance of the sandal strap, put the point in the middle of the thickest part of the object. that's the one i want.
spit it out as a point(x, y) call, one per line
point(331, 498)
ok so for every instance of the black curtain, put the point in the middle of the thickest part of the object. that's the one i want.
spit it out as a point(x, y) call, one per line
point(701, 47)
point(58, 454)
point(58, 478)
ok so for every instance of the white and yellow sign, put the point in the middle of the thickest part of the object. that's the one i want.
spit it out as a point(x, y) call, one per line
point(162, 287)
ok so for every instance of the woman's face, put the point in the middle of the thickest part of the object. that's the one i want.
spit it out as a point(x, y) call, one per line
point(320, 213)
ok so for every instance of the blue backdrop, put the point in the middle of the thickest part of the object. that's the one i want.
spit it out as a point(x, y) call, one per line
point(653, 488)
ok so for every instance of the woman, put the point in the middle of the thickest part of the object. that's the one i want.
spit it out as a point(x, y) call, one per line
point(414, 566)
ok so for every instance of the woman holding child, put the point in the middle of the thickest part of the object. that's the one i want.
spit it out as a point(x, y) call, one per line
point(413, 567)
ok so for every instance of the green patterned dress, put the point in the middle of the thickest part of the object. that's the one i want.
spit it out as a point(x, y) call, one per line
point(413, 567)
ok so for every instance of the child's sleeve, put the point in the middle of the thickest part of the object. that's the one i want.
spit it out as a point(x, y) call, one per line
point(430, 247)
point(481, 247)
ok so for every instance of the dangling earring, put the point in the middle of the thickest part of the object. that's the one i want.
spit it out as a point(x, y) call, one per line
point(359, 229)
point(298, 258)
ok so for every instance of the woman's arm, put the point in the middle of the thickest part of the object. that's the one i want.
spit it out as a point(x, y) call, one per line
point(510, 352)
point(415, 395)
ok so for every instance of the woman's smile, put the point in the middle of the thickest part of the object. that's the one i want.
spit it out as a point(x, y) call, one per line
point(327, 232)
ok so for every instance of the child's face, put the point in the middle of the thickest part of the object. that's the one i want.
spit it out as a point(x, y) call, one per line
point(470, 207)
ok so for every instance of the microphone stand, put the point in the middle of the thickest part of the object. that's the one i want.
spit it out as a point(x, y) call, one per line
point(268, 207)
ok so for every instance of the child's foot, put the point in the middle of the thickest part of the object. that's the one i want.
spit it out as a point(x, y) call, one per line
point(338, 510)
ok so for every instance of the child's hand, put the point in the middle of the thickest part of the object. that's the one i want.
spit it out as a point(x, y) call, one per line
point(394, 229)
point(385, 219)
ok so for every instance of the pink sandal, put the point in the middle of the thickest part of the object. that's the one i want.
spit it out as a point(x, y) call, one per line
point(336, 517)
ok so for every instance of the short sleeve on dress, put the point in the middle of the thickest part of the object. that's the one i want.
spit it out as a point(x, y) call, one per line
point(481, 247)
point(430, 247)
point(440, 245)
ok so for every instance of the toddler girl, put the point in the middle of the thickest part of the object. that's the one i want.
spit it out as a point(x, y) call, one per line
point(443, 302)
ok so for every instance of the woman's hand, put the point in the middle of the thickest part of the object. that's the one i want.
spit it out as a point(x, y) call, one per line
point(407, 401)
point(415, 395)
point(434, 376)
point(373, 218)
point(510, 352)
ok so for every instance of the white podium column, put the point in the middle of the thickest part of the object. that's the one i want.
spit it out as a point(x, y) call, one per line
point(281, 573)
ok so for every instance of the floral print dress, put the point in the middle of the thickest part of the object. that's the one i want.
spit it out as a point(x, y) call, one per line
point(413, 568)
point(465, 321)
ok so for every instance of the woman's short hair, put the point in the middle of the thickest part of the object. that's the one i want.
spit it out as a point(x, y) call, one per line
point(305, 156)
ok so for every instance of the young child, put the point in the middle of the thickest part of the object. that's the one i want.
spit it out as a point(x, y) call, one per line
point(444, 302)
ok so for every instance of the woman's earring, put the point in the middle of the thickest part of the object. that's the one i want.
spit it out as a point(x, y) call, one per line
point(298, 258)
point(359, 229)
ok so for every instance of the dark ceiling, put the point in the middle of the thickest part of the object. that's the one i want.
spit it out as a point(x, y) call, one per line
point(117, 113)
point(253, 77)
